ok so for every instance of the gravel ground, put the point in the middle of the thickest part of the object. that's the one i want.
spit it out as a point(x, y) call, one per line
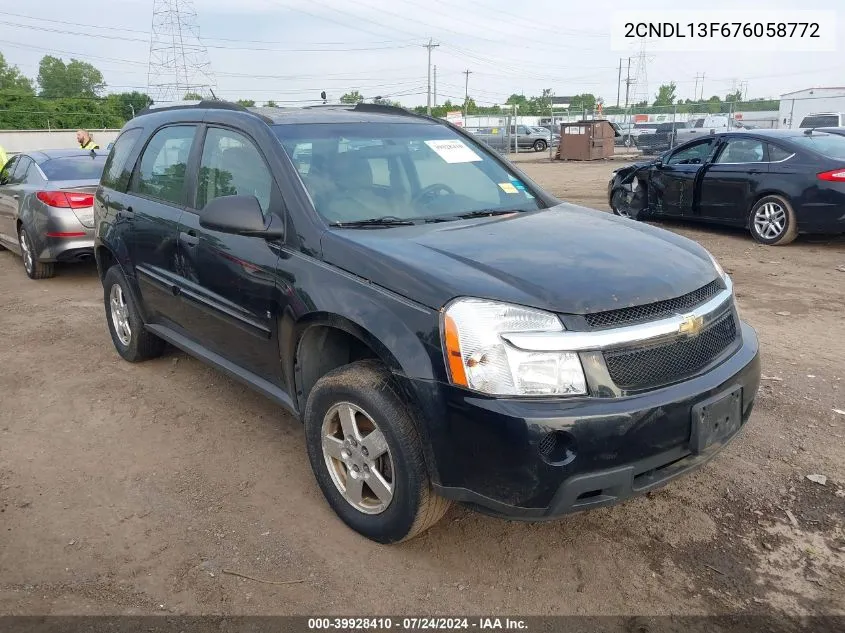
point(134, 489)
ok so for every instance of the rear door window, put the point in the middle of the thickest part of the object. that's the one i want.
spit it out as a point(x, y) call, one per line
point(742, 150)
point(161, 171)
point(20, 170)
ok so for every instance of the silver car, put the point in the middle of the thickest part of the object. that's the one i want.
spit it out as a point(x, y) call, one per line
point(47, 207)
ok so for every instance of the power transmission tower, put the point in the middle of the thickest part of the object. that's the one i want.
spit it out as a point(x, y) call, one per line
point(641, 75)
point(429, 46)
point(179, 61)
point(695, 92)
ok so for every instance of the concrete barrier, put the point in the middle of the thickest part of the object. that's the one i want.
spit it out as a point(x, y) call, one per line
point(14, 141)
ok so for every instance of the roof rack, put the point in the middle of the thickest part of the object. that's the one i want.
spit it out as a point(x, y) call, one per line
point(211, 104)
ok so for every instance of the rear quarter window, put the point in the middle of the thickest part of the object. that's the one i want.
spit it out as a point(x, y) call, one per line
point(116, 172)
point(74, 168)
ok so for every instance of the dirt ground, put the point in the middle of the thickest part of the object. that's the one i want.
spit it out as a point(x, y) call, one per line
point(129, 489)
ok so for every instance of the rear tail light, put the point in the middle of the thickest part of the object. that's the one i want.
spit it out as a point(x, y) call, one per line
point(66, 199)
point(835, 175)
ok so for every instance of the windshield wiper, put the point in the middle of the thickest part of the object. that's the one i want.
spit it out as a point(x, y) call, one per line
point(387, 220)
point(481, 213)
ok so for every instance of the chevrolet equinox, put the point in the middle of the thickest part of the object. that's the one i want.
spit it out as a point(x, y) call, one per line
point(445, 329)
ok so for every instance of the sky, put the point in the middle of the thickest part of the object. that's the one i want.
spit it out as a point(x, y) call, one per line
point(291, 50)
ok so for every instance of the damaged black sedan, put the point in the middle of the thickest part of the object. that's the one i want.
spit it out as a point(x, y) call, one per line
point(775, 183)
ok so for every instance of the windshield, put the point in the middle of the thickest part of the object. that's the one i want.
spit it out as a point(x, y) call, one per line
point(829, 145)
point(410, 171)
point(74, 167)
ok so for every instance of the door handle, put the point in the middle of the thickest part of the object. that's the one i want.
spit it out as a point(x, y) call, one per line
point(16, 196)
point(126, 213)
point(189, 238)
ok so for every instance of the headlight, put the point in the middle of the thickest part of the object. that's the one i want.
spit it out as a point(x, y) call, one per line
point(479, 358)
point(718, 267)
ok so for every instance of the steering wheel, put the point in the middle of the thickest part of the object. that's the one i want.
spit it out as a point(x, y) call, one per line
point(427, 194)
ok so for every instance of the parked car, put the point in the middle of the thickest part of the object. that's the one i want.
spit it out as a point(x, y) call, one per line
point(547, 133)
point(525, 137)
point(662, 139)
point(46, 207)
point(776, 183)
point(823, 119)
point(445, 329)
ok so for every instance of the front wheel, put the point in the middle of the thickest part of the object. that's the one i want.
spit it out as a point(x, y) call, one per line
point(540, 145)
point(367, 456)
point(772, 221)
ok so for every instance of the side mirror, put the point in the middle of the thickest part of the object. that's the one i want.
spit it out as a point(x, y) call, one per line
point(239, 215)
point(658, 162)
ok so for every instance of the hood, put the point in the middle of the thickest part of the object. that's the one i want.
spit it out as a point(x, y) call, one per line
point(565, 259)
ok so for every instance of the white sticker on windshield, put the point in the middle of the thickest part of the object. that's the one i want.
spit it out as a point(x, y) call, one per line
point(453, 151)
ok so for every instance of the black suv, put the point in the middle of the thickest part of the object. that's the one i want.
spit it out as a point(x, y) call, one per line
point(444, 328)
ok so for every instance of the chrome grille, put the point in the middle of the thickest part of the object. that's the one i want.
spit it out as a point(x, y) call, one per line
point(654, 311)
point(648, 367)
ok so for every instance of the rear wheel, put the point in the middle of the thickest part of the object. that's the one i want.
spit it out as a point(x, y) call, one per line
point(367, 456)
point(772, 221)
point(131, 340)
point(540, 145)
point(34, 269)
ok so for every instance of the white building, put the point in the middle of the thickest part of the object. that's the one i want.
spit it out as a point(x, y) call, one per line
point(794, 106)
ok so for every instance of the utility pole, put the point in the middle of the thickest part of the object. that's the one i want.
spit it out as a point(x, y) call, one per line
point(628, 82)
point(435, 85)
point(467, 72)
point(702, 86)
point(429, 46)
point(619, 83)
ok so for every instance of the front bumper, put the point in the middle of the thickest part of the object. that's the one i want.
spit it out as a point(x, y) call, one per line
point(486, 451)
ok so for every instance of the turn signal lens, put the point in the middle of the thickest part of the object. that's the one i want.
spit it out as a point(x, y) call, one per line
point(453, 352)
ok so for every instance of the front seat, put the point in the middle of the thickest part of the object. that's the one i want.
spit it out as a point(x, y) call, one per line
point(354, 197)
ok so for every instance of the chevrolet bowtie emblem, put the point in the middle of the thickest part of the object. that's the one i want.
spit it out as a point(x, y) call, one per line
point(691, 325)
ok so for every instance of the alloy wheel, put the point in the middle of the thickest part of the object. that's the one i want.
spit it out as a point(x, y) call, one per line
point(358, 458)
point(120, 315)
point(26, 251)
point(770, 220)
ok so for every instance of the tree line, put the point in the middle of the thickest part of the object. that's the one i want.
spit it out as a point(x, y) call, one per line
point(67, 95)
point(63, 95)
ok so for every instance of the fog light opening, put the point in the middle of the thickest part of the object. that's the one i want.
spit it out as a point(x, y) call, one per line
point(557, 448)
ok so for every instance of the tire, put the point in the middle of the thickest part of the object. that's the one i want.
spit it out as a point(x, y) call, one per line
point(139, 344)
point(365, 389)
point(540, 145)
point(772, 221)
point(34, 269)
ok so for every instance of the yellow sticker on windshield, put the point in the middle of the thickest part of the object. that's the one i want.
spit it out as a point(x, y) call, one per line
point(508, 187)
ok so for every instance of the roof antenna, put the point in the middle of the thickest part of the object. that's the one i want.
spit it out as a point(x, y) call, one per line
point(323, 97)
point(213, 96)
